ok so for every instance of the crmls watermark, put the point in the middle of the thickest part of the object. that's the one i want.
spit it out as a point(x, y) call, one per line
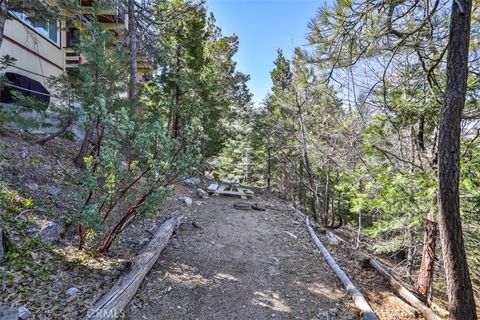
point(105, 314)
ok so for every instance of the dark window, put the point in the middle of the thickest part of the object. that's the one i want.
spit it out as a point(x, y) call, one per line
point(26, 86)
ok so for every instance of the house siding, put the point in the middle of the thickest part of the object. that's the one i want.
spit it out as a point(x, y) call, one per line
point(36, 57)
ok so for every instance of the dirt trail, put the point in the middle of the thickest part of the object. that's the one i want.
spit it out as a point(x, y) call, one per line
point(225, 263)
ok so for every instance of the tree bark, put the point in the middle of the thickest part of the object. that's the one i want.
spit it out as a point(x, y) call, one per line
point(111, 305)
point(327, 199)
point(308, 167)
point(425, 274)
point(78, 161)
point(459, 287)
point(178, 93)
point(269, 164)
point(3, 245)
point(132, 30)
point(3, 18)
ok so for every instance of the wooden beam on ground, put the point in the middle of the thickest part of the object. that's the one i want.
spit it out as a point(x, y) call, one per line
point(404, 292)
point(357, 296)
point(399, 288)
point(111, 305)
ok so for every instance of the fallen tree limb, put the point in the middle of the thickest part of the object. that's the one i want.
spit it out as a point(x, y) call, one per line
point(399, 288)
point(404, 292)
point(358, 298)
point(296, 211)
point(111, 305)
point(62, 129)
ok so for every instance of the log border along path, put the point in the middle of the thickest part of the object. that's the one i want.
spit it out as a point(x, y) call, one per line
point(111, 305)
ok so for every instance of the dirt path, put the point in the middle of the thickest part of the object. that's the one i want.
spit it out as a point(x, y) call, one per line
point(225, 263)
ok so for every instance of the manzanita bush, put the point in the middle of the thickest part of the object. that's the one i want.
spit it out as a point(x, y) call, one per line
point(128, 158)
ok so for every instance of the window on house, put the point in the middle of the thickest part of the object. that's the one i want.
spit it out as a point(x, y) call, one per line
point(47, 28)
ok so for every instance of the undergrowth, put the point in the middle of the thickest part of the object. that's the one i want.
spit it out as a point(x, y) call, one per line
point(27, 257)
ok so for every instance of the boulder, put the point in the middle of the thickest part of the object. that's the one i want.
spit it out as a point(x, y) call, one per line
point(50, 232)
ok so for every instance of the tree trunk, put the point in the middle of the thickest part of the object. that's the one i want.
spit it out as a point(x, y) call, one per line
point(82, 153)
point(3, 18)
point(425, 274)
point(3, 245)
point(459, 287)
point(132, 30)
point(327, 199)
point(308, 167)
point(269, 164)
point(176, 115)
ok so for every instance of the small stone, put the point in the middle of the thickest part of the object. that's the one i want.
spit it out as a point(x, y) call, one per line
point(53, 191)
point(209, 176)
point(187, 200)
point(72, 291)
point(32, 186)
point(331, 238)
point(24, 313)
point(202, 193)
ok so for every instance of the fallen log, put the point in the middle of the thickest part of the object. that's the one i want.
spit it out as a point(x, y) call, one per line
point(404, 292)
point(397, 285)
point(411, 311)
point(400, 289)
point(259, 207)
point(357, 296)
point(242, 205)
point(111, 305)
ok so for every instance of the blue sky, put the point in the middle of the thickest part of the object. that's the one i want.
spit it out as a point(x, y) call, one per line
point(263, 26)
